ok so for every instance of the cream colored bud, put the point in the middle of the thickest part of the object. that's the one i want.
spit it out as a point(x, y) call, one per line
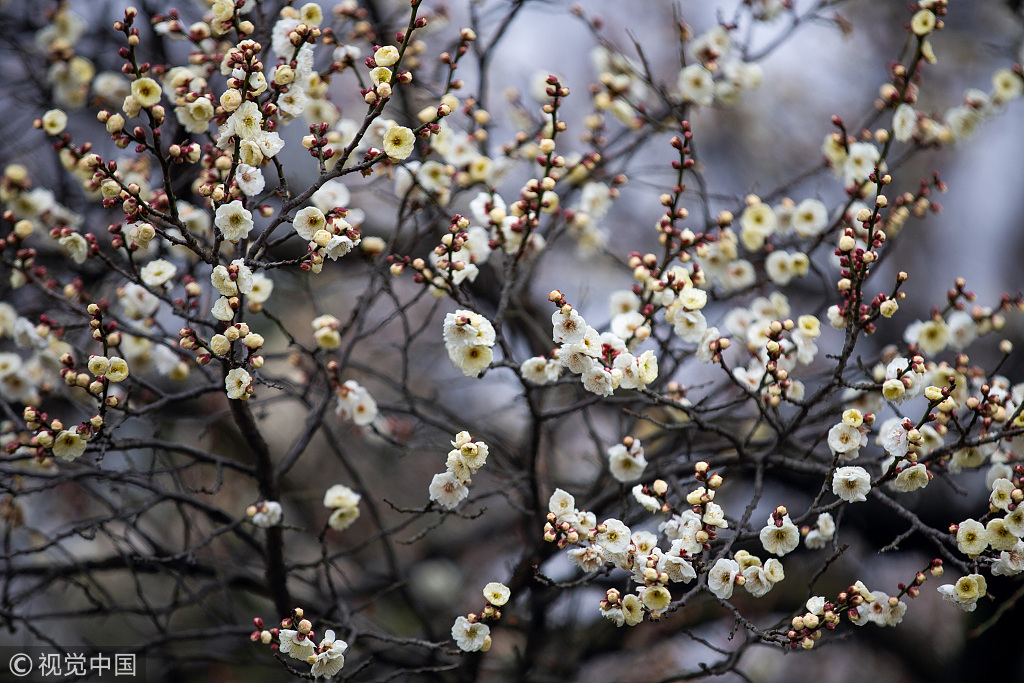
point(231, 99)
point(427, 114)
point(321, 237)
point(23, 228)
point(893, 389)
point(115, 124)
point(220, 345)
point(98, 365)
point(284, 74)
point(180, 372)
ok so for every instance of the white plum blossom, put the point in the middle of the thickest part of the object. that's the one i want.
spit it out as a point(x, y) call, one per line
point(650, 503)
point(330, 656)
point(971, 537)
point(233, 220)
point(344, 503)
point(448, 490)
point(222, 309)
point(677, 566)
point(696, 84)
point(69, 444)
point(599, 380)
point(569, 326)
point(76, 246)
point(683, 528)
point(341, 244)
point(881, 610)
point(496, 593)
point(157, 272)
point(931, 336)
point(137, 302)
point(237, 383)
point(615, 538)
point(966, 592)
point(466, 328)
point(245, 123)
point(332, 194)
point(845, 441)
point(904, 122)
point(810, 218)
point(10, 363)
point(470, 636)
point(999, 535)
point(562, 505)
point(906, 382)
point(756, 580)
point(705, 352)
point(912, 478)
point(757, 222)
point(852, 484)
point(656, 598)
point(962, 330)
point(468, 338)
point(1000, 497)
point(356, 404)
point(627, 464)
point(589, 559)
point(539, 370)
point(689, 325)
point(471, 360)
point(466, 457)
point(860, 162)
point(267, 514)
point(722, 578)
point(822, 533)
point(250, 179)
point(893, 438)
point(307, 221)
point(714, 515)
point(1010, 562)
point(295, 644)
point(780, 538)
point(626, 324)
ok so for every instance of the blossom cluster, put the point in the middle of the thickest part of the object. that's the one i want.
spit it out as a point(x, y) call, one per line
point(295, 637)
point(343, 503)
point(602, 360)
point(470, 632)
point(449, 488)
point(592, 546)
point(468, 338)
